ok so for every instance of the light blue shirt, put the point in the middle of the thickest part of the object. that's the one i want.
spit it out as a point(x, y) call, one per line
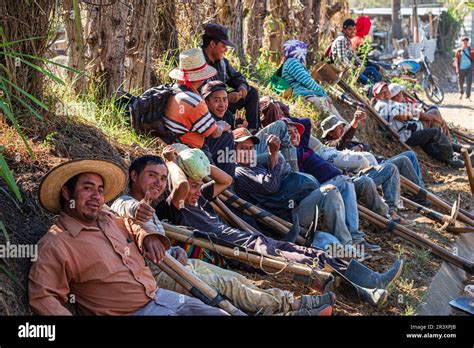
point(465, 62)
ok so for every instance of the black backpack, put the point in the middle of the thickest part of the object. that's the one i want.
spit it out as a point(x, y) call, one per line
point(146, 112)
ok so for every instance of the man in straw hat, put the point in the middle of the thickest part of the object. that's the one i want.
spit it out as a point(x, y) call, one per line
point(186, 113)
point(189, 205)
point(148, 179)
point(95, 259)
point(215, 41)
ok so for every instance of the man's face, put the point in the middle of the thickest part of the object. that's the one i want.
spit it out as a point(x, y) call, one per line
point(194, 191)
point(399, 98)
point(218, 103)
point(217, 50)
point(384, 94)
point(295, 137)
point(336, 133)
point(245, 153)
point(153, 179)
point(86, 201)
point(350, 31)
point(465, 43)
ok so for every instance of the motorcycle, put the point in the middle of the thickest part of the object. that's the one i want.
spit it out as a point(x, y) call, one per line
point(419, 70)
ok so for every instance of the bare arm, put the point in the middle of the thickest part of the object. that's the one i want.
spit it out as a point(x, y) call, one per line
point(179, 181)
point(222, 180)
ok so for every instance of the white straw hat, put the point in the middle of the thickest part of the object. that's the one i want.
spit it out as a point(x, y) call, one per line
point(192, 67)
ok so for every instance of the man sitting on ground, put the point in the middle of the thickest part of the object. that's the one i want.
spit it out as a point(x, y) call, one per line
point(339, 135)
point(214, 45)
point(95, 256)
point(148, 178)
point(433, 142)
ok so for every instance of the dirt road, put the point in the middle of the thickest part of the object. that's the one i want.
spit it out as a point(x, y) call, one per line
point(459, 112)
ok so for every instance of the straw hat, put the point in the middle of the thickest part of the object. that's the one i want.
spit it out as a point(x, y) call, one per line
point(329, 124)
point(113, 175)
point(192, 67)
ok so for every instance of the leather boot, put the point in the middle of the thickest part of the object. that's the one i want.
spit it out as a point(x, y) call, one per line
point(363, 276)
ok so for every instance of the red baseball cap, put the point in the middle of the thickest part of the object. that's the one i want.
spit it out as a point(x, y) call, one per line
point(378, 87)
point(298, 125)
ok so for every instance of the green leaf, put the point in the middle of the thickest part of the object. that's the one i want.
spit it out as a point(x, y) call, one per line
point(22, 91)
point(40, 69)
point(49, 61)
point(4, 230)
point(26, 105)
point(8, 177)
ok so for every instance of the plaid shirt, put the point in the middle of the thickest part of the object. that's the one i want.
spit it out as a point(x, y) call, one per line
point(343, 52)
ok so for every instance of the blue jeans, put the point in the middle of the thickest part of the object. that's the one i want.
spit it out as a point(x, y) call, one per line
point(279, 129)
point(329, 202)
point(348, 194)
point(387, 176)
point(366, 191)
point(370, 74)
point(407, 164)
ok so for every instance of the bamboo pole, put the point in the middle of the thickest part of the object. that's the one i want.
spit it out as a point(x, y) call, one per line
point(470, 173)
point(416, 239)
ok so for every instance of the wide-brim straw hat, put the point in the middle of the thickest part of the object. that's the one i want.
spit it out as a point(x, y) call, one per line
point(192, 67)
point(114, 177)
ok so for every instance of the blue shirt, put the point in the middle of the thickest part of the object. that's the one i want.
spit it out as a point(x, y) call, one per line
point(465, 61)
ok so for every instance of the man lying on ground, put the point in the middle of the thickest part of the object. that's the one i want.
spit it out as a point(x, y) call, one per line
point(148, 177)
point(188, 205)
point(95, 257)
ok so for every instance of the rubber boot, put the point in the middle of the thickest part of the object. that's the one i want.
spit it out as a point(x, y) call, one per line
point(363, 276)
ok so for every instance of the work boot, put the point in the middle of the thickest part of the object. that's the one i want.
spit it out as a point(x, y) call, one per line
point(363, 276)
point(367, 245)
point(455, 163)
point(322, 281)
point(323, 311)
point(311, 302)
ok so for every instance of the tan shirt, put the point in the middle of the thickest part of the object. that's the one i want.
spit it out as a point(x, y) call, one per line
point(101, 269)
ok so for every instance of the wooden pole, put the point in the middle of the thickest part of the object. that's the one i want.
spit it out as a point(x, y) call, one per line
point(416, 35)
point(414, 188)
point(196, 286)
point(252, 258)
point(416, 239)
point(470, 173)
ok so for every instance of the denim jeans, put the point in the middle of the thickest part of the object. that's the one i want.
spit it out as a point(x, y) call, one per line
point(348, 194)
point(367, 194)
point(329, 203)
point(407, 164)
point(279, 129)
point(387, 176)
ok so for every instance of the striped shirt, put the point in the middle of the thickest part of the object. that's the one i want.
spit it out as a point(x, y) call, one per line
point(300, 80)
point(187, 115)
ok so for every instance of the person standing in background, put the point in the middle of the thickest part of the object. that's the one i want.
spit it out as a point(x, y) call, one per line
point(464, 66)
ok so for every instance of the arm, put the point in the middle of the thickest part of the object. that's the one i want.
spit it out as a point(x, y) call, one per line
point(179, 181)
point(222, 180)
point(236, 80)
point(222, 126)
point(48, 285)
point(266, 181)
point(300, 74)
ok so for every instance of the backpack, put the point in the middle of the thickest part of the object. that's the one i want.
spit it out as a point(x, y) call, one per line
point(146, 112)
point(278, 84)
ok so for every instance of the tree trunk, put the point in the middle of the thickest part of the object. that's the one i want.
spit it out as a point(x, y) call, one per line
point(75, 37)
point(140, 41)
point(108, 27)
point(253, 28)
point(396, 20)
point(274, 29)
